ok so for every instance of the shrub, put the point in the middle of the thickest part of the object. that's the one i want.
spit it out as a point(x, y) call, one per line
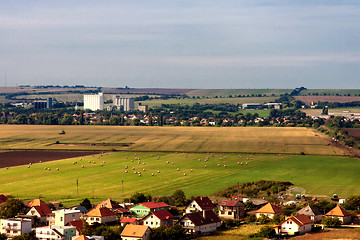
point(331, 222)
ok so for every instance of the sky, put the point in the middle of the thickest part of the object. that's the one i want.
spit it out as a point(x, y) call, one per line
point(181, 43)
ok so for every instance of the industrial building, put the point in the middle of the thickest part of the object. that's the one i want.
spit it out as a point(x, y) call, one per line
point(43, 104)
point(94, 101)
point(124, 104)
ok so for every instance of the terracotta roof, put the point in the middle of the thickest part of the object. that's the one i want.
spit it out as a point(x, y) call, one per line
point(3, 198)
point(81, 237)
point(309, 211)
point(37, 202)
point(128, 220)
point(161, 214)
point(134, 231)
point(76, 223)
point(299, 219)
point(338, 212)
point(109, 204)
point(230, 203)
point(153, 205)
point(204, 202)
point(100, 212)
point(121, 210)
point(270, 208)
point(43, 210)
point(198, 219)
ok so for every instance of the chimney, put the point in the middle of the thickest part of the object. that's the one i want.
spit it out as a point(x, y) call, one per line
point(204, 214)
point(201, 198)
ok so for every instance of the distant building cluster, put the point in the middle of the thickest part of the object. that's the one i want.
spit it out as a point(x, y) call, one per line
point(94, 101)
point(258, 105)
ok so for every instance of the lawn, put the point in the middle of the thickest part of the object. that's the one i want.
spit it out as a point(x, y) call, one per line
point(319, 175)
point(239, 233)
point(182, 139)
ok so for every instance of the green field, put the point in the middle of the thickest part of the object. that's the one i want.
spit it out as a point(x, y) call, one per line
point(182, 139)
point(227, 92)
point(317, 174)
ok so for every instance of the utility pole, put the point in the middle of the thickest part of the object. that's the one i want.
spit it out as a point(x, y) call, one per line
point(77, 187)
point(122, 187)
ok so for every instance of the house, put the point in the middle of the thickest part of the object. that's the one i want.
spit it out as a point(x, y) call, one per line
point(299, 223)
point(126, 220)
point(78, 224)
point(200, 222)
point(200, 204)
point(135, 232)
point(55, 232)
point(41, 210)
point(312, 213)
point(63, 216)
point(159, 218)
point(145, 208)
point(12, 227)
point(231, 209)
point(100, 215)
point(340, 213)
point(110, 204)
point(82, 210)
point(269, 210)
point(3, 199)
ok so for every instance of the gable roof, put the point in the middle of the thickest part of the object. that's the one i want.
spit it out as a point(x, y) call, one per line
point(81, 237)
point(134, 231)
point(76, 223)
point(204, 202)
point(230, 203)
point(338, 212)
point(299, 219)
point(3, 198)
point(100, 212)
point(270, 208)
point(42, 210)
point(36, 202)
point(153, 205)
point(128, 220)
point(109, 204)
point(309, 211)
point(161, 214)
point(198, 219)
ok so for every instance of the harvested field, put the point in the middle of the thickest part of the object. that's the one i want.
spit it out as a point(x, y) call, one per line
point(354, 132)
point(341, 99)
point(16, 158)
point(348, 234)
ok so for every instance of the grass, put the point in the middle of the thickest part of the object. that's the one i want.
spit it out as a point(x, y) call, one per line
point(227, 92)
point(236, 233)
point(319, 175)
point(182, 139)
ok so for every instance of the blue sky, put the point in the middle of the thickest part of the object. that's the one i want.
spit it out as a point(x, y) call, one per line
point(181, 44)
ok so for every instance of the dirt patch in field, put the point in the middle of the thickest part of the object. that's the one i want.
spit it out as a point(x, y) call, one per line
point(354, 132)
point(341, 99)
point(94, 144)
point(148, 91)
point(16, 158)
point(333, 234)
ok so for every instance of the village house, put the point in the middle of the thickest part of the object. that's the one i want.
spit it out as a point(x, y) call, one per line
point(41, 210)
point(63, 216)
point(145, 208)
point(200, 222)
point(231, 209)
point(100, 215)
point(340, 213)
point(55, 232)
point(312, 213)
point(78, 224)
point(12, 227)
point(3, 199)
point(127, 220)
point(269, 210)
point(136, 232)
point(299, 223)
point(83, 237)
point(200, 204)
point(110, 204)
point(159, 218)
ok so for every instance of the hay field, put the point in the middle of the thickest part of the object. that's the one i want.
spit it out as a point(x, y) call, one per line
point(182, 139)
point(319, 175)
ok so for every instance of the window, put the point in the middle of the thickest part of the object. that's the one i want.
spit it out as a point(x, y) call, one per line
point(61, 219)
point(229, 213)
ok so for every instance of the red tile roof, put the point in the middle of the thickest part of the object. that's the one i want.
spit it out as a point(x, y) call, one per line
point(3, 198)
point(37, 202)
point(197, 218)
point(81, 237)
point(338, 212)
point(43, 210)
point(128, 220)
point(299, 219)
point(230, 203)
point(162, 214)
point(204, 202)
point(100, 212)
point(76, 223)
point(270, 208)
point(153, 205)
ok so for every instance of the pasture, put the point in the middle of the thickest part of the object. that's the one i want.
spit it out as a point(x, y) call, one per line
point(167, 139)
point(163, 173)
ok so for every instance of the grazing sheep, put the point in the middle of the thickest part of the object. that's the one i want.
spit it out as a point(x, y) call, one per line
point(220, 158)
point(246, 163)
point(7, 168)
point(39, 161)
point(94, 162)
point(80, 159)
point(49, 169)
point(185, 155)
point(132, 160)
point(126, 166)
point(158, 171)
point(152, 174)
point(191, 170)
point(101, 165)
point(45, 168)
point(152, 155)
point(133, 168)
point(184, 174)
point(205, 166)
point(139, 174)
point(218, 164)
point(89, 161)
point(135, 154)
point(238, 163)
point(143, 163)
point(144, 169)
point(135, 172)
point(104, 161)
point(126, 157)
point(167, 162)
point(28, 166)
point(241, 163)
point(224, 165)
point(73, 163)
point(178, 169)
point(205, 160)
point(126, 171)
point(30, 163)
point(57, 169)
point(82, 166)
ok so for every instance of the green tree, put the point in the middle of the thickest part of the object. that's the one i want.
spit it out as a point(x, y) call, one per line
point(179, 198)
point(11, 208)
point(353, 203)
point(331, 222)
point(139, 198)
point(86, 203)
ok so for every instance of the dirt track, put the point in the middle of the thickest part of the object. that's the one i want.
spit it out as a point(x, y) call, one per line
point(16, 158)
